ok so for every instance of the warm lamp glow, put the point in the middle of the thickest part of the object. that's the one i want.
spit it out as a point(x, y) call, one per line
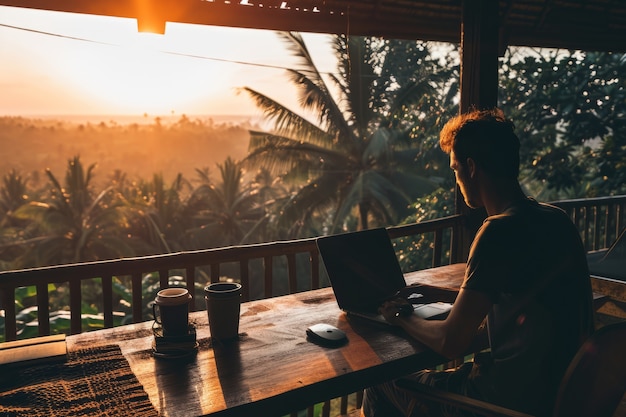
point(151, 26)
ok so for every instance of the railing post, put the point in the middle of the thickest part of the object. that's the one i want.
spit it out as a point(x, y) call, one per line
point(314, 258)
point(215, 272)
point(190, 279)
point(457, 242)
point(164, 278)
point(43, 307)
point(76, 319)
point(107, 300)
point(137, 294)
point(596, 228)
point(10, 323)
point(437, 250)
point(244, 278)
point(619, 224)
point(268, 276)
point(607, 225)
point(585, 225)
point(291, 273)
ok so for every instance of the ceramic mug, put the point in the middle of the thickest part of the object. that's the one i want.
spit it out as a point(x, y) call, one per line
point(172, 305)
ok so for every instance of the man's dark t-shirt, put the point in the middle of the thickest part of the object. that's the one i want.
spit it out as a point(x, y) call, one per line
point(531, 263)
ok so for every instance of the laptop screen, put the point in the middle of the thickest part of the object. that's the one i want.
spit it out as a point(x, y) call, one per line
point(362, 267)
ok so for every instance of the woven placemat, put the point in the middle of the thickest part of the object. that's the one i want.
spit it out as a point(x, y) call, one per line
point(91, 382)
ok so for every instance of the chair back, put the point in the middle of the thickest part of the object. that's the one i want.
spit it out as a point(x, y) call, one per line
point(595, 380)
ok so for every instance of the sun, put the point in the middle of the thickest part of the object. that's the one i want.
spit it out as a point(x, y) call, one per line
point(139, 74)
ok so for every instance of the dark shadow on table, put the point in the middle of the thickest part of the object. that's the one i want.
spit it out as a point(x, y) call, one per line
point(228, 362)
point(178, 376)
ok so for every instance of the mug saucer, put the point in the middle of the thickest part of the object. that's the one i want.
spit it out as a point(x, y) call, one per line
point(174, 353)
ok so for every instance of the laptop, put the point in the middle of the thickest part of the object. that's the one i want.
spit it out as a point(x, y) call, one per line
point(364, 271)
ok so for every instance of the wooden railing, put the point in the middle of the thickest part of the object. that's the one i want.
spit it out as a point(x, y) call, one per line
point(599, 220)
point(252, 265)
point(276, 268)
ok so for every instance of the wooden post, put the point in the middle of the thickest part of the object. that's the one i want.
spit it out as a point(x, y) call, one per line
point(480, 47)
point(479, 54)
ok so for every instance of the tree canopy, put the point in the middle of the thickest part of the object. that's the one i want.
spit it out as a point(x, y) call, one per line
point(569, 109)
point(362, 153)
point(358, 160)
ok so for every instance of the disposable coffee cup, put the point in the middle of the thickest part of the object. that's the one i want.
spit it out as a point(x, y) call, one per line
point(223, 302)
point(172, 306)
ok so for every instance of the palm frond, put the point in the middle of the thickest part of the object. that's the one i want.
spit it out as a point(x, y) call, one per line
point(13, 192)
point(287, 122)
point(57, 185)
point(296, 45)
point(317, 196)
point(33, 211)
point(414, 185)
point(313, 93)
point(360, 77)
point(279, 154)
point(373, 189)
point(379, 147)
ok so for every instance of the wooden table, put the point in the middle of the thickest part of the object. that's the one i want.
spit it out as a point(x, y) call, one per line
point(273, 370)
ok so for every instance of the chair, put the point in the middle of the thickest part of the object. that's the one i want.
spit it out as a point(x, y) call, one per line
point(593, 385)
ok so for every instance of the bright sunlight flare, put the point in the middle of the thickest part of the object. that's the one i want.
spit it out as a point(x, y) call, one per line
point(64, 63)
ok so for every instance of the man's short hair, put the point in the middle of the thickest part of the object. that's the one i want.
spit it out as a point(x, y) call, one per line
point(487, 137)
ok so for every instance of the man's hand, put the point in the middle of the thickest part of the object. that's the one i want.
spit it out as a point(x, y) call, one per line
point(450, 337)
point(395, 309)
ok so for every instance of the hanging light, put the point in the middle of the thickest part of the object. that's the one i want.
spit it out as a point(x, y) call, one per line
point(151, 25)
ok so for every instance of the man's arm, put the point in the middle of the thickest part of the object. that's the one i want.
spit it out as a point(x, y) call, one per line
point(451, 337)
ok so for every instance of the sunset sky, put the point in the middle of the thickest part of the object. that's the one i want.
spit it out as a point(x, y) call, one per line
point(69, 64)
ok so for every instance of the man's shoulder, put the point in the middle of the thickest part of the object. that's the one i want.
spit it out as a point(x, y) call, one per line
point(526, 223)
point(551, 209)
point(525, 211)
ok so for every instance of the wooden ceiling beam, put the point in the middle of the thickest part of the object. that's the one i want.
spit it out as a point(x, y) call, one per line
point(596, 25)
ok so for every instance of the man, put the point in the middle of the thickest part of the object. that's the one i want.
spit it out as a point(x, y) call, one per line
point(526, 277)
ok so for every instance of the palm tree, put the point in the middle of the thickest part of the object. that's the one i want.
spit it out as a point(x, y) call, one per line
point(159, 218)
point(72, 224)
point(227, 212)
point(272, 194)
point(13, 194)
point(358, 158)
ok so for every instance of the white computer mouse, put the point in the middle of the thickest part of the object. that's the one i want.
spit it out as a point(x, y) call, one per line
point(326, 335)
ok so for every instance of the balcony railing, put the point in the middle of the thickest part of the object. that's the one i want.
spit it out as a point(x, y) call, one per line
point(253, 265)
point(599, 221)
point(271, 269)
